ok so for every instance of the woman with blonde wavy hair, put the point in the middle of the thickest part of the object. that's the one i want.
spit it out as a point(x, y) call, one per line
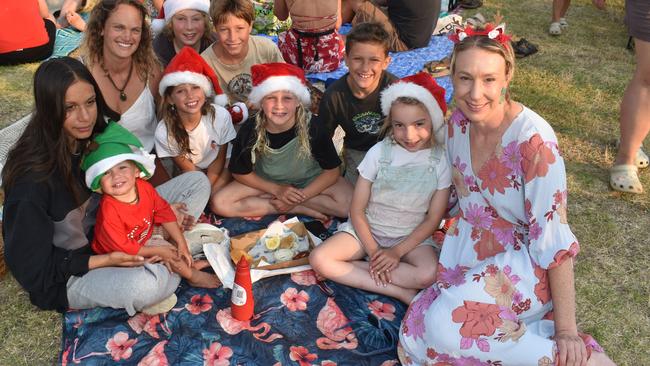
point(118, 52)
point(281, 162)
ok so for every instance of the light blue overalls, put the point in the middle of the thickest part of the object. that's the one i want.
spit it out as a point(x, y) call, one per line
point(400, 197)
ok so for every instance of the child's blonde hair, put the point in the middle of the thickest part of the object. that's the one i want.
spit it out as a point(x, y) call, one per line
point(175, 130)
point(302, 118)
point(387, 127)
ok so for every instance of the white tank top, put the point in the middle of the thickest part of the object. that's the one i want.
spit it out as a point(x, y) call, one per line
point(141, 120)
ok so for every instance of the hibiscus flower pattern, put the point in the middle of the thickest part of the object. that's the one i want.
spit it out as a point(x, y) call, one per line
point(217, 355)
point(492, 290)
point(382, 310)
point(294, 300)
point(199, 304)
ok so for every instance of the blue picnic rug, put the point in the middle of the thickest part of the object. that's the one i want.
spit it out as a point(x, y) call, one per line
point(298, 321)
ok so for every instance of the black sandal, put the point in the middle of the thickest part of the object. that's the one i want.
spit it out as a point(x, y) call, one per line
point(523, 48)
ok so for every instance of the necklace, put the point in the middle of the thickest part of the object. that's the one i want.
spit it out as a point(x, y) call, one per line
point(128, 78)
point(135, 199)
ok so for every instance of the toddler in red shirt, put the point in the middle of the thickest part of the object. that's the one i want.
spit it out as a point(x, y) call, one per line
point(116, 165)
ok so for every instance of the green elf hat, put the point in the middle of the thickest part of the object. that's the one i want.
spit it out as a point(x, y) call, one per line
point(111, 147)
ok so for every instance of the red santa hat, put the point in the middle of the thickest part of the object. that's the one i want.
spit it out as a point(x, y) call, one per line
point(276, 76)
point(188, 67)
point(171, 7)
point(424, 88)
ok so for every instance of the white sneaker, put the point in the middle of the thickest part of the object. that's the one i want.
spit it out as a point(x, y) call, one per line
point(161, 307)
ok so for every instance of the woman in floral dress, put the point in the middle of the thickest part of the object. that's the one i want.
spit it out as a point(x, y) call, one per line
point(505, 289)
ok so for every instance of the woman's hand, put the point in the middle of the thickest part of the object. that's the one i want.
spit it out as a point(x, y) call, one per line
point(571, 350)
point(115, 259)
point(290, 195)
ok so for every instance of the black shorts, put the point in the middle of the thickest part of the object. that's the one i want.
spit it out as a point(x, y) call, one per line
point(637, 18)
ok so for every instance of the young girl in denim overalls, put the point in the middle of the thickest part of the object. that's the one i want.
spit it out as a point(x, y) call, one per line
point(398, 201)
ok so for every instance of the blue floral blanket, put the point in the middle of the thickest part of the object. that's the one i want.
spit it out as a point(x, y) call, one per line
point(298, 320)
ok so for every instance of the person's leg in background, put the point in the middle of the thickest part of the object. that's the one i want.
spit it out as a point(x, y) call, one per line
point(634, 120)
point(558, 17)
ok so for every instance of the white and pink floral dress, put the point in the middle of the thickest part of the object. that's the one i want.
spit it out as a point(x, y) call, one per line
point(491, 303)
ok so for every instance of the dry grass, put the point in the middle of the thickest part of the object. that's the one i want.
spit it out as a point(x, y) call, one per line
point(576, 82)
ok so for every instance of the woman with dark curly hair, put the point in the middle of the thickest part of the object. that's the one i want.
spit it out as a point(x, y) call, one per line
point(118, 52)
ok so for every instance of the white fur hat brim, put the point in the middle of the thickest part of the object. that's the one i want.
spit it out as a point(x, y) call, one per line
point(412, 90)
point(99, 168)
point(171, 7)
point(186, 77)
point(277, 83)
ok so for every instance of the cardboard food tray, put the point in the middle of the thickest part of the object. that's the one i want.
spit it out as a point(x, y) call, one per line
point(247, 241)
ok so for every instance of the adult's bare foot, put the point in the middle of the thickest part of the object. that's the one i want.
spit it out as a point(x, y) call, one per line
point(203, 279)
point(76, 21)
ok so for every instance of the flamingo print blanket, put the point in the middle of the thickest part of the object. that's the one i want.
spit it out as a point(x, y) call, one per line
point(298, 320)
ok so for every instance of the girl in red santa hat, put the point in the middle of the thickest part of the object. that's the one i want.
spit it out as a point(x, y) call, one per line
point(194, 132)
point(281, 162)
point(399, 199)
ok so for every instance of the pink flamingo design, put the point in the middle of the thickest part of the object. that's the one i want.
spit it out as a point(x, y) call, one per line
point(147, 323)
point(233, 326)
point(119, 347)
point(334, 325)
point(155, 357)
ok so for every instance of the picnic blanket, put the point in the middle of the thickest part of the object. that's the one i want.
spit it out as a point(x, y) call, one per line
point(68, 39)
point(298, 321)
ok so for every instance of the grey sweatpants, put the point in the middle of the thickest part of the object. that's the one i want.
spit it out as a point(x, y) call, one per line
point(134, 288)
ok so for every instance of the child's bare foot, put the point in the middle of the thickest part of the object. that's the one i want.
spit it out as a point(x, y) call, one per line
point(203, 279)
point(200, 264)
point(302, 210)
point(76, 21)
point(407, 295)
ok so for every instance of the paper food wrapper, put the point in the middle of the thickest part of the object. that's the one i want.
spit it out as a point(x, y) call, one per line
point(220, 258)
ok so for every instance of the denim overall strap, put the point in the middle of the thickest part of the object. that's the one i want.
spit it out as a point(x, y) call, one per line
point(400, 195)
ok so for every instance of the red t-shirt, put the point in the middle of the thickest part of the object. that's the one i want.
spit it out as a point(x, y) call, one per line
point(124, 227)
point(21, 25)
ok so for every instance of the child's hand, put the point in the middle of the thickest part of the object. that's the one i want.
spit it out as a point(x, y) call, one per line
point(571, 349)
point(290, 195)
point(384, 260)
point(166, 253)
point(184, 253)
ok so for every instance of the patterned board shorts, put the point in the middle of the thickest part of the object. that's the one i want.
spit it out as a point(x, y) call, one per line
point(313, 52)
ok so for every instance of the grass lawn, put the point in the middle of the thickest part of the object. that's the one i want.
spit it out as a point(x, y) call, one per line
point(576, 82)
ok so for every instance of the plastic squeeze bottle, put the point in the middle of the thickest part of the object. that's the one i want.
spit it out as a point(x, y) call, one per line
point(242, 303)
